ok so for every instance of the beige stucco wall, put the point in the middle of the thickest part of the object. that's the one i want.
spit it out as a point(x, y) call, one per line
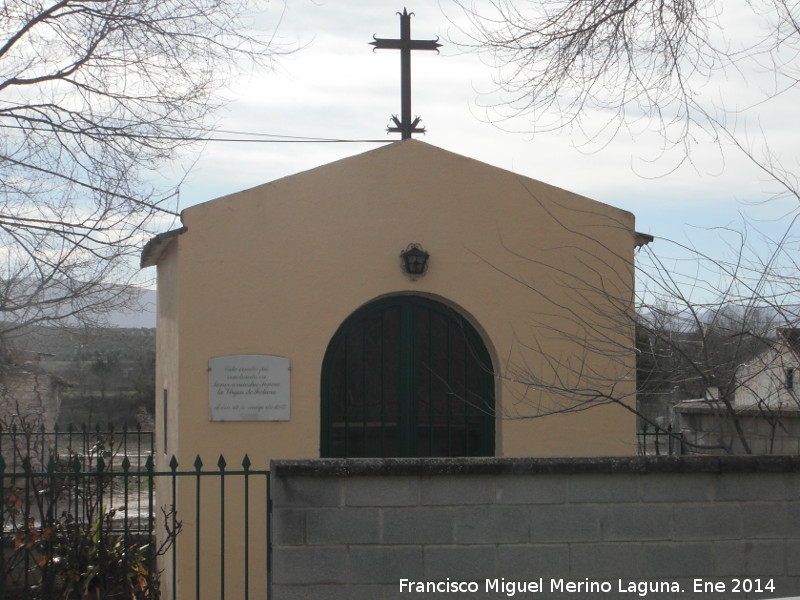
point(277, 268)
point(544, 275)
point(167, 352)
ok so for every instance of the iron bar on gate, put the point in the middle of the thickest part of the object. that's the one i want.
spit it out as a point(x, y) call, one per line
point(100, 509)
point(85, 443)
point(653, 440)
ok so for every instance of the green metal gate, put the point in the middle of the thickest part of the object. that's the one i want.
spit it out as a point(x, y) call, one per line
point(407, 376)
point(87, 514)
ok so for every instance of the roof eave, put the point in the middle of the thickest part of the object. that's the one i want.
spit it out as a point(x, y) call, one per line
point(153, 249)
point(641, 239)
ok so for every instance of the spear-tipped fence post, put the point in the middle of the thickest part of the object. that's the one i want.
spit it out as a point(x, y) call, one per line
point(658, 431)
point(221, 464)
point(268, 520)
point(643, 441)
point(246, 466)
point(55, 441)
point(26, 468)
point(101, 516)
point(125, 439)
point(149, 467)
point(42, 446)
point(173, 467)
point(14, 448)
point(198, 465)
point(126, 466)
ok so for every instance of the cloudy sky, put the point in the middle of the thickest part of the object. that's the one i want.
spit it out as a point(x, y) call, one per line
point(336, 87)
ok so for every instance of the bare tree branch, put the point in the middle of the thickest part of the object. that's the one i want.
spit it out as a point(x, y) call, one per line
point(712, 343)
point(599, 66)
point(94, 96)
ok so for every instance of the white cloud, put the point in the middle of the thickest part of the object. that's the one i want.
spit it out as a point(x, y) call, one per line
point(338, 87)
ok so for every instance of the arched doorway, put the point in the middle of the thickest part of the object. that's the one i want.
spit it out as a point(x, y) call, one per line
point(407, 376)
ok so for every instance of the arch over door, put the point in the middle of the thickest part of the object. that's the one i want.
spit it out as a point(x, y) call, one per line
point(407, 376)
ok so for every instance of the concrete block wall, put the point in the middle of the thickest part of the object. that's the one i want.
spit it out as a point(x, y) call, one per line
point(29, 398)
point(566, 528)
point(701, 425)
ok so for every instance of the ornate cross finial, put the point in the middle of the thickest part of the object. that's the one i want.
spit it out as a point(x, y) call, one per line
point(405, 126)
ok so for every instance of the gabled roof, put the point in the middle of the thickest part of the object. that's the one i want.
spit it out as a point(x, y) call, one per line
point(154, 248)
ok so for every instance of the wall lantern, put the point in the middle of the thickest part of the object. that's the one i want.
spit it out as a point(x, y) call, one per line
point(415, 260)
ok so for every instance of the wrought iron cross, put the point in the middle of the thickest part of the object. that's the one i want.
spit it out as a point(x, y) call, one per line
point(405, 126)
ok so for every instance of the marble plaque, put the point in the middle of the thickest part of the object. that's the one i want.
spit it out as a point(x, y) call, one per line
point(248, 387)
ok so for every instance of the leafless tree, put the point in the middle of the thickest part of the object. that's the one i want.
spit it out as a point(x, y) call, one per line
point(689, 69)
point(95, 95)
point(693, 73)
point(710, 343)
point(706, 330)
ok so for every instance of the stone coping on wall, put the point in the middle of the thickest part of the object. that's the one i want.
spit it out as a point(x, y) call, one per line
point(355, 467)
point(752, 410)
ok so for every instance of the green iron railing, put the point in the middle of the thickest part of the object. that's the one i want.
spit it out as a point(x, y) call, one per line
point(246, 475)
point(85, 443)
point(91, 526)
point(656, 441)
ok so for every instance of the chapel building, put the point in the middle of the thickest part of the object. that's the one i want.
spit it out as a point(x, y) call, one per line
point(289, 325)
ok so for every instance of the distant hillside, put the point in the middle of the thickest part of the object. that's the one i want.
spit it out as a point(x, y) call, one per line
point(143, 316)
point(63, 344)
point(108, 372)
point(54, 302)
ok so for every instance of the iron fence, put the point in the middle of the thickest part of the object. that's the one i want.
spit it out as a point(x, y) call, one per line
point(85, 443)
point(656, 441)
point(92, 522)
